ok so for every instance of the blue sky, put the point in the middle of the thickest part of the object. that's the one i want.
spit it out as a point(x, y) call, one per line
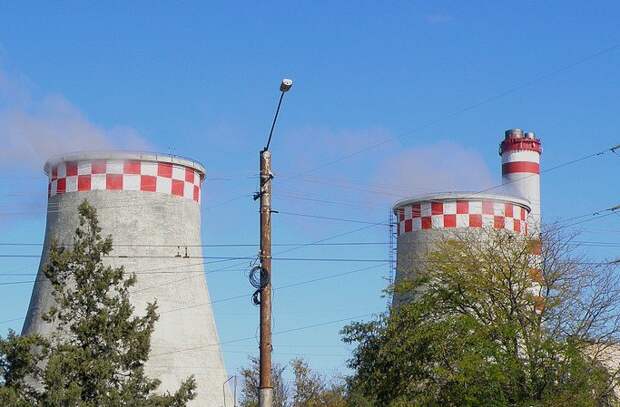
point(436, 82)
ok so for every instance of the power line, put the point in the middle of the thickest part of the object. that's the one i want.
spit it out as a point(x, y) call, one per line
point(352, 186)
point(324, 201)
point(20, 256)
point(327, 277)
point(338, 260)
point(53, 207)
point(33, 274)
point(301, 246)
point(240, 296)
point(492, 98)
point(321, 259)
point(332, 218)
point(282, 288)
point(296, 247)
point(595, 215)
point(561, 165)
point(229, 258)
point(590, 230)
point(223, 245)
point(274, 333)
point(338, 244)
point(457, 112)
point(611, 149)
point(158, 270)
point(6, 321)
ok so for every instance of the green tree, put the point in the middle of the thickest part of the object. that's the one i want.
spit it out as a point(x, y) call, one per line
point(20, 358)
point(313, 390)
point(96, 355)
point(250, 386)
point(475, 334)
point(309, 389)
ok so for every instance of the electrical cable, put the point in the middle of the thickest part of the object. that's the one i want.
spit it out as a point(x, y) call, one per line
point(274, 333)
point(226, 299)
point(287, 197)
point(303, 245)
point(350, 244)
point(339, 260)
point(457, 112)
point(330, 218)
point(224, 245)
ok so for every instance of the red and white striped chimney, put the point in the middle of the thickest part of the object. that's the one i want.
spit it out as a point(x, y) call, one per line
point(520, 154)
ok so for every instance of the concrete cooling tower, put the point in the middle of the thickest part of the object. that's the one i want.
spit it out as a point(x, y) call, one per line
point(424, 221)
point(150, 204)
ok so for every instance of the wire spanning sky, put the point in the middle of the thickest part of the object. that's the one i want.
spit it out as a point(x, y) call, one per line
point(388, 102)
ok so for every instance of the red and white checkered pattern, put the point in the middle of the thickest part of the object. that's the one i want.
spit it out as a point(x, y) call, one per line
point(125, 175)
point(472, 213)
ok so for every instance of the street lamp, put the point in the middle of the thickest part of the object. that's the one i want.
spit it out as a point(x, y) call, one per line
point(286, 85)
point(262, 295)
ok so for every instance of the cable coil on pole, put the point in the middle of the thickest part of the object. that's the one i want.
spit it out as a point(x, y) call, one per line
point(259, 279)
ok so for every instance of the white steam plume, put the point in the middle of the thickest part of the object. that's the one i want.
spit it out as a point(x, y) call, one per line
point(33, 129)
point(440, 167)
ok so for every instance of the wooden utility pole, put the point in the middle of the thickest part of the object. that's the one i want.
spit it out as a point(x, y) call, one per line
point(265, 385)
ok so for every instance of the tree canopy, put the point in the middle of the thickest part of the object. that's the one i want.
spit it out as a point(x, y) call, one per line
point(309, 389)
point(476, 335)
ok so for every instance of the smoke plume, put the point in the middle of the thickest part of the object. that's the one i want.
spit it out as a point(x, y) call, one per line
point(440, 167)
point(34, 128)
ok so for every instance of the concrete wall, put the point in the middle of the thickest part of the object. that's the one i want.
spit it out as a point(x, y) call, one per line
point(413, 249)
point(185, 340)
point(422, 222)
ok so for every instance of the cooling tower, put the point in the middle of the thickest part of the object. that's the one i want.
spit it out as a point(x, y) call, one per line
point(520, 154)
point(150, 204)
point(422, 222)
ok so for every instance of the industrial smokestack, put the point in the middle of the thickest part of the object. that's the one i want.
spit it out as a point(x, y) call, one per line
point(520, 154)
point(150, 205)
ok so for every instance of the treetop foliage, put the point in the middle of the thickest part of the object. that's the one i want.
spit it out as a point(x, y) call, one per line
point(471, 333)
point(309, 388)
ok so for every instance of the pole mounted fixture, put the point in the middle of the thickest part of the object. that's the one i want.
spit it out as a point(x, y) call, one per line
point(285, 86)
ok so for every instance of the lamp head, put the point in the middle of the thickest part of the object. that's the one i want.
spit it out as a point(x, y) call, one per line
point(286, 84)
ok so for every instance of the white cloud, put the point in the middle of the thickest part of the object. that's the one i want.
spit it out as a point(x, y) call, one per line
point(440, 167)
point(34, 128)
point(324, 150)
